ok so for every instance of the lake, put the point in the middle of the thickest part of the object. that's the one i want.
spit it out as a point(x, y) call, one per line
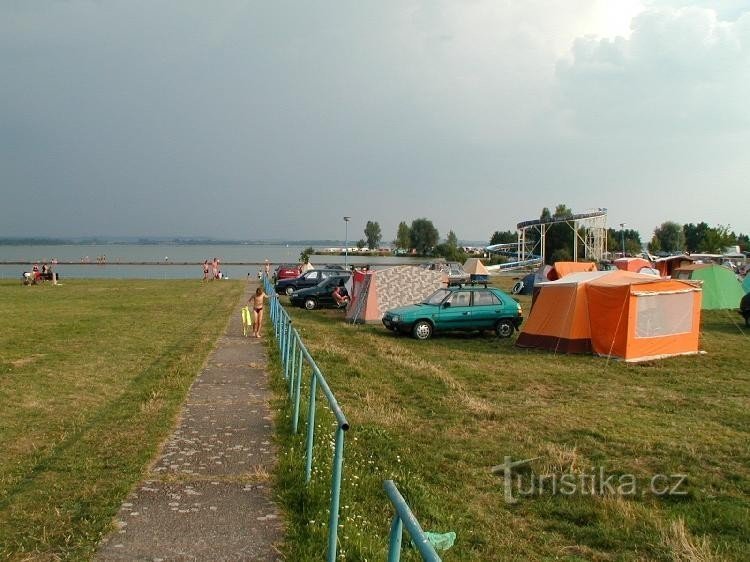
point(161, 258)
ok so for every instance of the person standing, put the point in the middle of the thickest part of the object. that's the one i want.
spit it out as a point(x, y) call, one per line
point(257, 301)
point(205, 270)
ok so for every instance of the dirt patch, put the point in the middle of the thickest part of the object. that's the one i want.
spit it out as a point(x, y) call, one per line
point(23, 361)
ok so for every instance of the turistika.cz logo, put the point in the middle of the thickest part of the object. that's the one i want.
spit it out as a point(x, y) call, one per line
point(587, 483)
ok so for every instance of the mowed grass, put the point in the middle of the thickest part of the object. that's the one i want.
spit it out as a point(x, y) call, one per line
point(436, 416)
point(92, 374)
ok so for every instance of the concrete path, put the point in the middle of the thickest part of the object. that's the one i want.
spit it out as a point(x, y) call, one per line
point(207, 496)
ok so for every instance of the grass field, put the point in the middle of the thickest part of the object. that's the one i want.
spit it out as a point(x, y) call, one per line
point(436, 416)
point(92, 374)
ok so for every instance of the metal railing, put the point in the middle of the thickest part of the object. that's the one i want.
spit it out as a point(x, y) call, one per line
point(405, 518)
point(294, 356)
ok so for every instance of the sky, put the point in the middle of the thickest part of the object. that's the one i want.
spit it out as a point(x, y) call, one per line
point(274, 120)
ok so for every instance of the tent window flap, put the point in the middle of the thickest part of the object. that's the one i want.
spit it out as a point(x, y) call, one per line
point(664, 314)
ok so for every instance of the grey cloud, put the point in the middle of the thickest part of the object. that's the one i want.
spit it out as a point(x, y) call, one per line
point(682, 71)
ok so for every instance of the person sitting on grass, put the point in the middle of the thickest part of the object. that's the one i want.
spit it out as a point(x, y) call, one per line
point(339, 295)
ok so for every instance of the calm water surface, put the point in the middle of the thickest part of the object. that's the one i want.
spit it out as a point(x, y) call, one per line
point(250, 254)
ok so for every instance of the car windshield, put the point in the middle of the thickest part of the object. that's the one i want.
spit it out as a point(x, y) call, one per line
point(437, 297)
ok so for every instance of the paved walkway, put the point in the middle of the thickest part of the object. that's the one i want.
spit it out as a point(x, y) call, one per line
point(207, 496)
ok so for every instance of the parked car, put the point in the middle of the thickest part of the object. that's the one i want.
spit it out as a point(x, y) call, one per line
point(307, 279)
point(287, 271)
point(452, 269)
point(320, 295)
point(458, 308)
point(745, 308)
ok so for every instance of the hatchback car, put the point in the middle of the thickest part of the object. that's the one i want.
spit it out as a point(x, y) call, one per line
point(287, 271)
point(458, 308)
point(319, 296)
point(307, 279)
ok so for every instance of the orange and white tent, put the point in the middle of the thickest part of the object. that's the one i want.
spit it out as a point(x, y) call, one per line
point(620, 314)
point(559, 317)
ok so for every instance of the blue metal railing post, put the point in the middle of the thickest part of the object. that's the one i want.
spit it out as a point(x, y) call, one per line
point(310, 427)
point(333, 518)
point(404, 514)
point(394, 540)
point(297, 392)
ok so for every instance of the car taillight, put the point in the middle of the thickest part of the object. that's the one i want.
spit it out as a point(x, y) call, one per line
point(520, 310)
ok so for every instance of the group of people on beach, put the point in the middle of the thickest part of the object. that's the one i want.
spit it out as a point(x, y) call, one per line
point(38, 275)
point(211, 270)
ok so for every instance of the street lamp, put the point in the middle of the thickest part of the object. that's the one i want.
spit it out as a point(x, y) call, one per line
point(346, 239)
point(622, 238)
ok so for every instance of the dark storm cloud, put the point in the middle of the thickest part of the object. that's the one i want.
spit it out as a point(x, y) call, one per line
point(273, 120)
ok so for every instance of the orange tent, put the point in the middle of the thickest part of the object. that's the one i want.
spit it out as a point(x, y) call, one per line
point(638, 319)
point(559, 318)
point(632, 264)
point(563, 268)
point(621, 314)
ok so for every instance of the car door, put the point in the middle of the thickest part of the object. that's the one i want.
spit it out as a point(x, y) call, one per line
point(310, 279)
point(455, 312)
point(486, 309)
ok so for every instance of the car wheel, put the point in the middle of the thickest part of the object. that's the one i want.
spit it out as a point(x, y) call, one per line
point(310, 304)
point(289, 290)
point(422, 330)
point(504, 329)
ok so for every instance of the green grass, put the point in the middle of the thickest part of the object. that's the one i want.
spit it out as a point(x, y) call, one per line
point(435, 417)
point(92, 374)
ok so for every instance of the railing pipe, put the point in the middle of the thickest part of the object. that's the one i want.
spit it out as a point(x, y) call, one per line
point(412, 526)
point(333, 518)
point(310, 428)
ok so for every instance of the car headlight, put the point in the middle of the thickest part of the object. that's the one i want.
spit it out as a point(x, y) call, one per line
point(395, 318)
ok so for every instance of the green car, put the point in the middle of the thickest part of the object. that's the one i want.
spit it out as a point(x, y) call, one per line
point(458, 308)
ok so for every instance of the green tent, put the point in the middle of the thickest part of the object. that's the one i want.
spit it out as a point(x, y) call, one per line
point(746, 283)
point(721, 288)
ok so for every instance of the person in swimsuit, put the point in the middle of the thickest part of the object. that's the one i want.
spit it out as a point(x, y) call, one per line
point(205, 270)
point(257, 301)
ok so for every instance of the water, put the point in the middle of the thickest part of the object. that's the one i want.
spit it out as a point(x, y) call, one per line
point(160, 255)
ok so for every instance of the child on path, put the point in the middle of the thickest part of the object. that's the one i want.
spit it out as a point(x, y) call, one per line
point(257, 301)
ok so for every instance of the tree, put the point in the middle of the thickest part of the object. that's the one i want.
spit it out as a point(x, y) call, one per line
point(703, 238)
point(304, 255)
point(504, 237)
point(670, 236)
point(633, 245)
point(450, 250)
point(361, 243)
point(403, 237)
point(373, 235)
point(424, 235)
point(559, 237)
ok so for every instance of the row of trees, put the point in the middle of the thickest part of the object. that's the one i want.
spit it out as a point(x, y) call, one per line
point(424, 238)
point(701, 238)
point(421, 236)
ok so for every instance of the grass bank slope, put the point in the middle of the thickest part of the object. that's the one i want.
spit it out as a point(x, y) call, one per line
point(92, 374)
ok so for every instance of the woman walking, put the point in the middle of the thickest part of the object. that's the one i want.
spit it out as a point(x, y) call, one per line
point(257, 301)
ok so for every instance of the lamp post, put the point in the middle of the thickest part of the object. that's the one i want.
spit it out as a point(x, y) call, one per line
point(622, 238)
point(346, 239)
